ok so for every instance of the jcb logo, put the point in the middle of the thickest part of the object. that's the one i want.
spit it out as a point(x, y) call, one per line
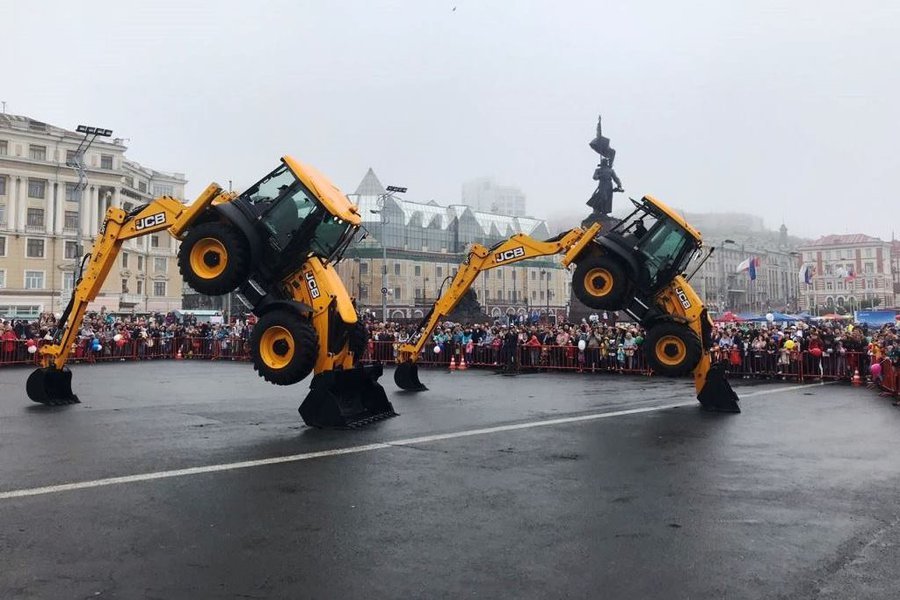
point(509, 254)
point(682, 297)
point(313, 286)
point(150, 221)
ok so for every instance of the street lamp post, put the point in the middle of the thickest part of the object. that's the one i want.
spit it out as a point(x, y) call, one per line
point(723, 283)
point(389, 193)
point(77, 163)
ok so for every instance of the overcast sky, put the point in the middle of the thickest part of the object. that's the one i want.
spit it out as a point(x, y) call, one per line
point(783, 109)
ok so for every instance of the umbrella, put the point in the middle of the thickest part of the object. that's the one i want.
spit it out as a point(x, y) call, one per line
point(728, 317)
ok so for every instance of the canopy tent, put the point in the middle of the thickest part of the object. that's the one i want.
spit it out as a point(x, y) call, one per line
point(728, 317)
point(832, 317)
point(777, 317)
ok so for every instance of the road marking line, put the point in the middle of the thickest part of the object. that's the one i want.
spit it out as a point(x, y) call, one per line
point(81, 485)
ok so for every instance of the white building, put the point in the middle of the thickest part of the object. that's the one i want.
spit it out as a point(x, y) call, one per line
point(41, 223)
point(485, 195)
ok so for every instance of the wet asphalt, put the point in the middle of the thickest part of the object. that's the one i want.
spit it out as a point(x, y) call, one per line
point(797, 497)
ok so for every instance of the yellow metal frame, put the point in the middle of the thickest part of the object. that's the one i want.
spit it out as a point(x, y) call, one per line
point(161, 214)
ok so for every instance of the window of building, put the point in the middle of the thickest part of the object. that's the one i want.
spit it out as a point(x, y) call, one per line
point(127, 207)
point(142, 186)
point(418, 270)
point(161, 189)
point(106, 161)
point(2, 245)
point(71, 221)
point(36, 152)
point(363, 268)
point(140, 266)
point(124, 286)
point(869, 268)
point(34, 248)
point(2, 185)
point(68, 281)
point(70, 156)
point(35, 217)
point(396, 294)
point(4, 147)
point(2, 278)
point(159, 288)
point(532, 275)
point(71, 193)
point(160, 264)
point(829, 285)
point(71, 249)
point(439, 272)
point(34, 280)
point(396, 268)
point(534, 295)
point(542, 294)
point(363, 292)
point(140, 287)
point(154, 241)
point(37, 188)
point(124, 260)
point(2, 215)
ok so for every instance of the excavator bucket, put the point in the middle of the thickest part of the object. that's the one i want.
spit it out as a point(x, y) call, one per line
point(346, 399)
point(51, 386)
point(406, 376)
point(716, 394)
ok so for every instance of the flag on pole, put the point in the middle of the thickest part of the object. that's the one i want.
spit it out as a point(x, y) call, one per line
point(851, 274)
point(806, 274)
point(754, 263)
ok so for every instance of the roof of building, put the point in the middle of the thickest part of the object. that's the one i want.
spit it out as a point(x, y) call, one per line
point(370, 185)
point(845, 240)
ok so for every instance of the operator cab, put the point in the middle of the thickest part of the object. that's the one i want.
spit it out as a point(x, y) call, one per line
point(296, 221)
point(660, 241)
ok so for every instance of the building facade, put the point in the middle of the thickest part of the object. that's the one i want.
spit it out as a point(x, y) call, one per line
point(850, 272)
point(42, 223)
point(485, 195)
point(413, 249)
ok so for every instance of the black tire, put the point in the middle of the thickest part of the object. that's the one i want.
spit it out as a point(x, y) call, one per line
point(599, 282)
point(358, 340)
point(214, 258)
point(672, 349)
point(284, 347)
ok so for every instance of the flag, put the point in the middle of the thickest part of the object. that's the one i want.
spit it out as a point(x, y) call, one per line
point(754, 263)
point(806, 274)
point(851, 275)
point(745, 265)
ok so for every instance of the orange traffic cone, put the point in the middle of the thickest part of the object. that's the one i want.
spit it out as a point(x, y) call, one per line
point(857, 380)
point(452, 363)
point(462, 362)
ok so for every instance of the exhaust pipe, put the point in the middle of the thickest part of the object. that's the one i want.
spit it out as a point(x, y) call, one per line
point(51, 386)
point(716, 394)
point(346, 399)
point(406, 376)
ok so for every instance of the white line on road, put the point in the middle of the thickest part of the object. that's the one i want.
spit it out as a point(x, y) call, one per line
point(81, 485)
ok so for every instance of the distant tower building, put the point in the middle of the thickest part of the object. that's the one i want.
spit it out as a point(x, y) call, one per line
point(484, 194)
point(782, 236)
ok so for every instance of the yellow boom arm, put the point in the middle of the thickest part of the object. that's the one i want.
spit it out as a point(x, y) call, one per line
point(162, 214)
point(516, 249)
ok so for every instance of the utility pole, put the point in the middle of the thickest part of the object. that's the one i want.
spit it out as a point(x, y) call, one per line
point(390, 191)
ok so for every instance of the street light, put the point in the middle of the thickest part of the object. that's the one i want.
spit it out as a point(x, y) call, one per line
point(390, 191)
point(91, 133)
point(723, 284)
point(545, 274)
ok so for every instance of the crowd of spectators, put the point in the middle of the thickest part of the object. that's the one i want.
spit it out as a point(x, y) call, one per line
point(751, 349)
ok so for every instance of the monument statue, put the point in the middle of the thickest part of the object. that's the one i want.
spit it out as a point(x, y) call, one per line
point(601, 200)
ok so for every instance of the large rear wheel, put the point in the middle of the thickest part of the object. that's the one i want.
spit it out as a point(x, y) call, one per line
point(672, 349)
point(214, 258)
point(284, 347)
point(599, 282)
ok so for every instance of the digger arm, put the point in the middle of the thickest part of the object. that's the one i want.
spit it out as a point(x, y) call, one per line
point(516, 249)
point(161, 214)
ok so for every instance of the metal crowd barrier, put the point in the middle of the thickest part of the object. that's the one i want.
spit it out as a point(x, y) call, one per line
point(781, 364)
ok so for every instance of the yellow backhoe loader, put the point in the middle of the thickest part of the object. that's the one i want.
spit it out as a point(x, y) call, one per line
point(636, 267)
point(277, 244)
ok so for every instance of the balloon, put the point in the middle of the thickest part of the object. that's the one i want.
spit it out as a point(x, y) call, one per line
point(582, 345)
point(98, 347)
point(32, 349)
point(30, 342)
point(437, 349)
point(770, 317)
point(875, 369)
point(789, 344)
point(120, 342)
point(117, 337)
point(817, 352)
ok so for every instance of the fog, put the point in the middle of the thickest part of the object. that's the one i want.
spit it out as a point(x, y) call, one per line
point(787, 110)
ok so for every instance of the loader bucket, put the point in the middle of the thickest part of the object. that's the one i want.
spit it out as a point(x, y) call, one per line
point(51, 386)
point(406, 376)
point(346, 399)
point(717, 395)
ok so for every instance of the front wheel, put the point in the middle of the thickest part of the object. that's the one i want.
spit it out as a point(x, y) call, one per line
point(214, 258)
point(284, 347)
point(672, 349)
point(599, 282)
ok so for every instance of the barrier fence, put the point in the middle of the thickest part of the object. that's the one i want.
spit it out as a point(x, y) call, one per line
point(782, 365)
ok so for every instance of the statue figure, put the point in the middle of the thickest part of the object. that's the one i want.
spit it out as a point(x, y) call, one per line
point(601, 200)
